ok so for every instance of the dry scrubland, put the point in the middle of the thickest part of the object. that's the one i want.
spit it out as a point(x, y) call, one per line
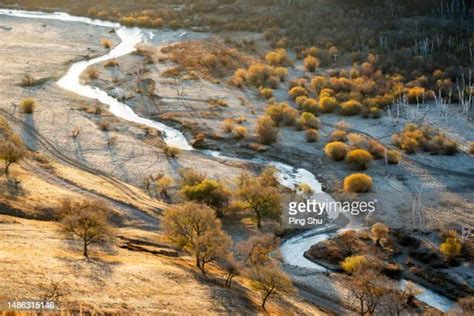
point(358, 112)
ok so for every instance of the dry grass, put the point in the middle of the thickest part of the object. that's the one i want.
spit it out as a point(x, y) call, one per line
point(208, 59)
point(97, 184)
point(117, 280)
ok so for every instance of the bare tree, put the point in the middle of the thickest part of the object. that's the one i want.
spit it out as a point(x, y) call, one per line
point(87, 220)
point(11, 152)
point(270, 280)
point(366, 290)
point(256, 249)
point(194, 228)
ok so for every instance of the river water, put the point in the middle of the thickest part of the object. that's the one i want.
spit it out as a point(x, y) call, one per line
point(292, 249)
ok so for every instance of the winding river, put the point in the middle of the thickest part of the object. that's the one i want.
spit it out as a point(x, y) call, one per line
point(292, 249)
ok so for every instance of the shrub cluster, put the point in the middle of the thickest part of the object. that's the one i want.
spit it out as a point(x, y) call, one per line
point(425, 137)
point(282, 113)
point(28, 105)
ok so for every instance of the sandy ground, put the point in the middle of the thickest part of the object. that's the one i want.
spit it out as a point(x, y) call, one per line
point(60, 112)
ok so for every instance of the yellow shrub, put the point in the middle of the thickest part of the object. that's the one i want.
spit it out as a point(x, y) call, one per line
point(228, 125)
point(393, 157)
point(339, 135)
point(106, 43)
point(308, 120)
point(27, 106)
point(415, 94)
point(297, 91)
point(311, 63)
point(336, 150)
point(359, 157)
point(281, 113)
point(351, 107)
point(277, 57)
point(327, 104)
point(451, 247)
point(353, 263)
point(357, 183)
point(240, 132)
point(280, 73)
point(267, 93)
point(318, 83)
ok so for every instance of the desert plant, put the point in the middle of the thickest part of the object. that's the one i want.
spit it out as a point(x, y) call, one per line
point(318, 83)
point(28, 105)
point(106, 43)
point(281, 113)
point(92, 73)
point(311, 63)
point(471, 148)
point(297, 91)
point(240, 132)
point(308, 120)
point(336, 150)
point(360, 158)
point(267, 93)
point(327, 104)
point(111, 63)
point(450, 248)
point(170, 151)
point(28, 80)
point(376, 149)
point(379, 231)
point(357, 183)
point(228, 125)
point(312, 135)
point(104, 125)
point(393, 157)
point(280, 73)
point(277, 57)
point(353, 263)
point(339, 135)
point(351, 107)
